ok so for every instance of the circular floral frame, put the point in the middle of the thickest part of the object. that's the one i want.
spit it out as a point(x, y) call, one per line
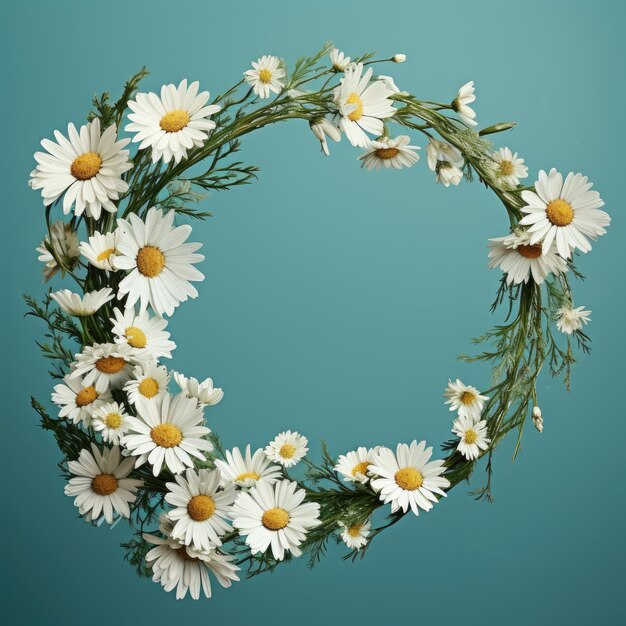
point(135, 451)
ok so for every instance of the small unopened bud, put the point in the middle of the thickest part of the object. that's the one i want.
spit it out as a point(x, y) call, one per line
point(497, 128)
point(537, 419)
point(398, 58)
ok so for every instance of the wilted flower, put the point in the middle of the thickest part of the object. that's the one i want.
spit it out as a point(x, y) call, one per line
point(323, 128)
point(64, 242)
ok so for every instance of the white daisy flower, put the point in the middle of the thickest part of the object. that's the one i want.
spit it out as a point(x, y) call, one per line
point(393, 153)
point(146, 335)
point(460, 104)
point(437, 151)
point(82, 306)
point(519, 260)
point(203, 392)
point(398, 58)
point(111, 421)
point(353, 465)
point(322, 128)
point(362, 106)
point(355, 535)
point(507, 168)
point(148, 383)
point(448, 174)
point(407, 478)
point(446, 161)
point(473, 436)
point(175, 566)
point(160, 263)
point(265, 76)
point(78, 401)
point(567, 212)
point(88, 169)
point(172, 124)
point(287, 449)
point(338, 60)
point(246, 471)
point(275, 515)
point(64, 241)
point(464, 399)
point(570, 320)
point(104, 365)
point(102, 485)
point(169, 431)
point(202, 509)
point(101, 249)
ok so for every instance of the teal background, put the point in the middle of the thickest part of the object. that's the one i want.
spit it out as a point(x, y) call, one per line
point(336, 302)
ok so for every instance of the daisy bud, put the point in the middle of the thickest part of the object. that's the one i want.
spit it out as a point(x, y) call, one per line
point(398, 58)
point(537, 419)
point(497, 128)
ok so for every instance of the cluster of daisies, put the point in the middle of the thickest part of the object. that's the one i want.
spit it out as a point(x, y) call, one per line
point(118, 391)
point(560, 216)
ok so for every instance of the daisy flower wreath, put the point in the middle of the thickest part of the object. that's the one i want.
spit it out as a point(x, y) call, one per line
point(136, 436)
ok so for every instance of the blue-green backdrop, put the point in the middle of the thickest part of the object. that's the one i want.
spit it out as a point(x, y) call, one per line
point(336, 302)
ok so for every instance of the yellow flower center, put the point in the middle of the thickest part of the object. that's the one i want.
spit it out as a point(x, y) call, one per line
point(355, 531)
point(265, 76)
point(386, 153)
point(247, 475)
point(505, 168)
point(113, 420)
point(275, 519)
point(560, 212)
point(136, 337)
point(409, 479)
point(287, 451)
point(174, 121)
point(357, 114)
point(530, 252)
point(166, 435)
point(470, 436)
point(360, 468)
point(104, 484)
point(110, 364)
point(150, 261)
point(467, 397)
point(86, 396)
point(105, 254)
point(148, 387)
point(200, 508)
point(86, 165)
